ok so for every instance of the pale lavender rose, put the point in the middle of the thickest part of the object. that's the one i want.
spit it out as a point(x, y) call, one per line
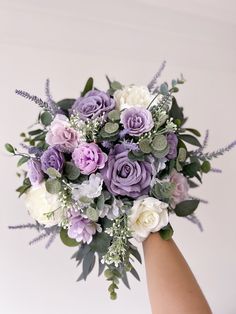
point(89, 157)
point(93, 105)
point(52, 158)
point(123, 176)
point(181, 187)
point(172, 140)
point(137, 120)
point(35, 172)
point(81, 229)
point(62, 135)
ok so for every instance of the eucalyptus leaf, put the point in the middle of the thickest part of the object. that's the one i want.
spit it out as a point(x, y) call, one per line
point(101, 242)
point(101, 202)
point(176, 112)
point(88, 264)
point(114, 115)
point(35, 132)
point(71, 171)
point(206, 166)
point(92, 213)
point(115, 85)
point(111, 127)
point(160, 154)
point(159, 143)
point(134, 273)
point(186, 208)
point(53, 186)
point(66, 239)
point(53, 173)
point(46, 118)
point(145, 146)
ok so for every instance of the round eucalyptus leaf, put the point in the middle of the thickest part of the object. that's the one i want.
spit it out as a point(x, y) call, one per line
point(71, 171)
point(53, 186)
point(161, 154)
point(46, 118)
point(159, 143)
point(111, 127)
point(182, 154)
point(92, 213)
point(145, 146)
point(114, 115)
point(53, 173)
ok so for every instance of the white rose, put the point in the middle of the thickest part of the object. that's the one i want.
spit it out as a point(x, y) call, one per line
point(44, 207)
point(131, 96)
point(91, 188)
point(147, 215)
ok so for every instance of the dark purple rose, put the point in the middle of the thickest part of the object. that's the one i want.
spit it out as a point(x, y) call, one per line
point(35, 173)
point(94, 104)
point(136, 120)
point(172, 142)
point(123, 176)
point(52, 158)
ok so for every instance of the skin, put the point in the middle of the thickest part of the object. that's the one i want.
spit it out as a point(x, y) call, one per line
point(172, 286)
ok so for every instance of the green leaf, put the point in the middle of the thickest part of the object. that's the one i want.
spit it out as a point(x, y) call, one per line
point(192, 184)
point(125, 280)
point(88, 86)
point(35, 132)
point(101, 202)
point(167, 232)
point(22, 160)
point(53, 186)
point(88, 264)
point(22, 189)
point(176, 112)
point(182, 155)
point(159, 143)
point(101, 242)
point(71, 171)
point(134, 273)
point(186, 208)
point(160, 154)
point(206, 166)
point(134, 251)
point(9, 148)
point(145, 146)
point(66, 104)
point(46, 118)
point(164, 88)
point(53, 173)
point(111, 128)
point(190, 139)
point(191, 169)
point(101, 267)
point(134, 156)
point(194, 131)
point(115, 85)
point(114, 115)
point(66, 239)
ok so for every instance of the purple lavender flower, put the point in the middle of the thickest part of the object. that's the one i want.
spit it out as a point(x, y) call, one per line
point(80, 228)
point(123, 176)
point(52, 158)
point(34, 171)
point(137, 120)
point(172, 142)
point(94, 104)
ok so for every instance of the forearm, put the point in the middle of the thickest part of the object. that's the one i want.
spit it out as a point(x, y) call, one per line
point(171, 284)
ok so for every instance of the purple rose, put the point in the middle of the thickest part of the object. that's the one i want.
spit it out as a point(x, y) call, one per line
point(172, 142)
point(137, 120)
point(52, 158)
point(89, 157)
point(61, 135)
point(94, 104)
point(80, 228)
point(35, 173)
point(123, 176)
point(181, 187)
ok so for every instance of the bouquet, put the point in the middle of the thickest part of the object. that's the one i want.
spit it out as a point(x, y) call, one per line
point(108, 168)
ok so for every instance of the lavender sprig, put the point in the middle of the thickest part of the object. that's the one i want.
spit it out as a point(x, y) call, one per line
point(204, 145)
point(50, 100)
point(216, 170)
point(195, 221)
point(151, 85)
point(36, 100)
point(218, 152)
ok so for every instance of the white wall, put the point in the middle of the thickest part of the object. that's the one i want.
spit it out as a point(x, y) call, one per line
point(127, 39)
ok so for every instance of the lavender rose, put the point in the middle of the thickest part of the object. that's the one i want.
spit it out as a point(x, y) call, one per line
point(172, 142)
point(123, 176)
point(89, 157)
point(52, 158)
point(80, 228)
point(137, 120)
point(180, 192)
point(94, 104)
point(35, 173)
point(61, 135)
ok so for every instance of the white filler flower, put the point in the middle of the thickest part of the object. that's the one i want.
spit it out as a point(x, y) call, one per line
point(44, 207)
point(132, 96)
point(90, 189)
point(147, 215)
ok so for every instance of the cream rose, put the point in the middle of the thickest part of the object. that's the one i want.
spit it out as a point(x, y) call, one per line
point(147, 215)
point(42, 206)
point(131, 96)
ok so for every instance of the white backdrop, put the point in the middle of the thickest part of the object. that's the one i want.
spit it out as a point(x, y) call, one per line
point(126, 39)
